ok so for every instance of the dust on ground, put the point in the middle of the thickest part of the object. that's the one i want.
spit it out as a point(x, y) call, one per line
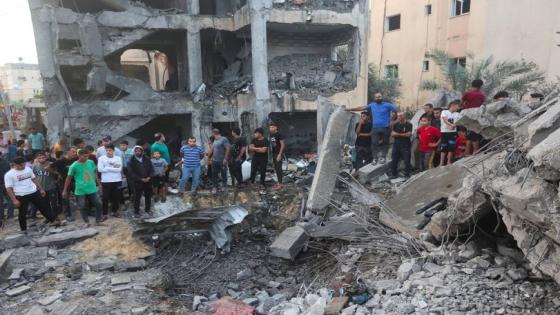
point(114, 239)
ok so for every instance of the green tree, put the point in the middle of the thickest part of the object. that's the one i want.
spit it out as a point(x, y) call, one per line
point(390, 87)
point(515, 77)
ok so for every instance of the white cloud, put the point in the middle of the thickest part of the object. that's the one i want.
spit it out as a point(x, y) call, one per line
point(16, 33)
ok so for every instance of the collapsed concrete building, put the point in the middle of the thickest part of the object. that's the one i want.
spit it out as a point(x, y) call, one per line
point(131, 68)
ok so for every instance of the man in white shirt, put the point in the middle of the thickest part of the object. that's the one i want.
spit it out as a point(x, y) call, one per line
point(110, 167)
point(24, 188)
point(101, 151)
point(449, 132)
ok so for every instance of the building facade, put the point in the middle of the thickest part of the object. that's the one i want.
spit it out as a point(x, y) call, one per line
point(403, 31)
point(20, 81)
point(132, 68)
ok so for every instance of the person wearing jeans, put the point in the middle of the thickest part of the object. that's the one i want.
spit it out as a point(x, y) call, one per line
point(110, 167)
point(192, 155)
point(24, 188)
point(86, 183)
point(381, 126)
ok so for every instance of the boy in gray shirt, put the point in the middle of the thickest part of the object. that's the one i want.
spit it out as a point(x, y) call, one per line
point(158, 181)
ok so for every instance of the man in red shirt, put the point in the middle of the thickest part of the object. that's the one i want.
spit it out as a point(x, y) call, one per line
point(428, 136)
point(473, 98)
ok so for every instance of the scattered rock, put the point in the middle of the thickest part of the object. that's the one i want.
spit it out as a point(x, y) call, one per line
point(50, 299)
point(65, 238)
point(244, 274)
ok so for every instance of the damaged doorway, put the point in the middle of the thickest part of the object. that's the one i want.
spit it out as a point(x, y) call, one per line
point(176, 128)
point(299, 130)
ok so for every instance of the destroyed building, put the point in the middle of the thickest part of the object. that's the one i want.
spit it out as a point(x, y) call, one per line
point(132, 68)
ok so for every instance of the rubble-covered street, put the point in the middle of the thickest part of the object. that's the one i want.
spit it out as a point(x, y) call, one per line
point(158, 118)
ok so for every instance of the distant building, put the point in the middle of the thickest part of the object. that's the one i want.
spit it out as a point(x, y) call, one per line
point(21, 81)
point(401, 32)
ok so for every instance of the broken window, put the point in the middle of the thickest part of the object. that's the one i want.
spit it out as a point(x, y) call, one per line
point(75, 78)
point(150, 66)
point(458, 62)
point(460, 7)
point(392, 71)
point(393, 23)
point(428, 9)
point(341, 53)
point(426, 65)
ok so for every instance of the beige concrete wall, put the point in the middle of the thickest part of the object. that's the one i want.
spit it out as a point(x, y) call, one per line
point(506, 29)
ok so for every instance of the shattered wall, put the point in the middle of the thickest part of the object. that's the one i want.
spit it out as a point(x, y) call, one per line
point(208, 61)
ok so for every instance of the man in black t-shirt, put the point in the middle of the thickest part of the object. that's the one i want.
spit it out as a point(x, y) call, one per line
point(363, 141)
point(259, 146)
point(236, 156)
point(402, 131)
point(61, 166)
point(277, 147)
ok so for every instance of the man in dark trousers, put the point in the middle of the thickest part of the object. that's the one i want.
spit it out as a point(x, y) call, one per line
point(141, 171)
point(24, 188)
point(363, 141)
point(237, 156)
point(4, 168)
point(259, 146)
point(402, 131)
point(277, 147)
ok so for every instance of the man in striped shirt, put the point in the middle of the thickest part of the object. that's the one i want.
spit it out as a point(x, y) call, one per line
point(191, 154)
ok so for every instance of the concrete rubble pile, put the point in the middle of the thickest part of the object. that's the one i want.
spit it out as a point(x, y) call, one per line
point(516, 176)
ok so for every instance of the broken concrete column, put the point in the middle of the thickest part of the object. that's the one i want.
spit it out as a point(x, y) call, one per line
point(259, 49)
point(546, 156)
point(329, 160)
point(289, 243)
point(544, 125)
point(194, 49)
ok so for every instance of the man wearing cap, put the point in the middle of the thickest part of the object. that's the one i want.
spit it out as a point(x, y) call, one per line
point(24, 188)
point(87, 184)
point(101, 151)
point(220, 150)
point(140, 171)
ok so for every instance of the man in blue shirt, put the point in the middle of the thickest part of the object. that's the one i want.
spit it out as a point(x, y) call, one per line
point(381, 122)
point(192, 154)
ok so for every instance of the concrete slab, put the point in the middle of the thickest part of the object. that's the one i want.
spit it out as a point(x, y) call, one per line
point(330, 156)
point(336, 305)
point(417, 192)
point(18, 291)
point(5, 269)
point(289, 243)
point(65, 238)
point(369, 172)
point(50, 299)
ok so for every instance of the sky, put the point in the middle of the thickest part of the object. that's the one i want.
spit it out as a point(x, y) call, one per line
point(16, 32)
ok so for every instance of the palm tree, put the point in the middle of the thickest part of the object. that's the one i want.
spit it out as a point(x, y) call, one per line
point(515, 77)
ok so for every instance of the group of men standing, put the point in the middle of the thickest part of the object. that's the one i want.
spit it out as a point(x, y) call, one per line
point(440, 140)
point(224, 154)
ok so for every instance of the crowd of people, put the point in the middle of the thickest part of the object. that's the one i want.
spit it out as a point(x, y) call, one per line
point(61, 180)
point(440, 140)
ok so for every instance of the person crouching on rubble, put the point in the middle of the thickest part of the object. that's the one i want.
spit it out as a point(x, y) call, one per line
point(140, 170)
point(259, 146)
point(24, 188)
